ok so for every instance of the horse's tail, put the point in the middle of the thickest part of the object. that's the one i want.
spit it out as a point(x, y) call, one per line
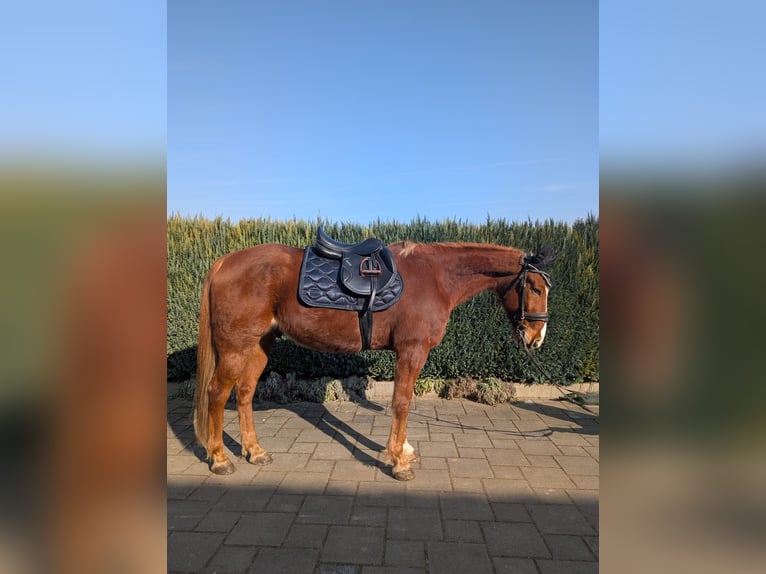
point(205, 363)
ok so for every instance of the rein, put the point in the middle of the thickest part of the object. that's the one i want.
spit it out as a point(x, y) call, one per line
point(570, 396)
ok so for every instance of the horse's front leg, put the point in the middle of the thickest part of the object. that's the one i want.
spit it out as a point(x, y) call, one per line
point(409, 363)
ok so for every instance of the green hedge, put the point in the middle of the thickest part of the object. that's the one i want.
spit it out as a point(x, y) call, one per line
point(478, 339)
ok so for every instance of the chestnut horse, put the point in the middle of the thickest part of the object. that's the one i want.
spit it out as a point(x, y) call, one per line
point(249, 298)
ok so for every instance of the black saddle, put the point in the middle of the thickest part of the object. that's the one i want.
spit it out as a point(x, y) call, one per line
point(359, 277)
point(328, 247)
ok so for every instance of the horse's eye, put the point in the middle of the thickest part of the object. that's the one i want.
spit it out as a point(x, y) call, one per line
point(536, 291)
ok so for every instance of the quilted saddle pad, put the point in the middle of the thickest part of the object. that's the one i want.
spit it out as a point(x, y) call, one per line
point(320, 285)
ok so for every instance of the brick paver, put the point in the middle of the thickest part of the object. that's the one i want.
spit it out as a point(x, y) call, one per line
point(511, 488)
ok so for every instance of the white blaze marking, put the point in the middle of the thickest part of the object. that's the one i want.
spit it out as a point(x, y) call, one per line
point(545, 325)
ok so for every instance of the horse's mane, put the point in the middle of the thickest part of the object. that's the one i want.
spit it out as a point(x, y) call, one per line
point(406, 248)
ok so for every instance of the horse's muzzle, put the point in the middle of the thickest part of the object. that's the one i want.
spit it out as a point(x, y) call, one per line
point(530, 341)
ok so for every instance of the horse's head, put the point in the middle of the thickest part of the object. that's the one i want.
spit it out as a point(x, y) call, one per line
point(526, 299)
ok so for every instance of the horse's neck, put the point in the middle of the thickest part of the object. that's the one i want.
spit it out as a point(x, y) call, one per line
point(473, 269)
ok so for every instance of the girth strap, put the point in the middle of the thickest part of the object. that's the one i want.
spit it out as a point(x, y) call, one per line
point(365, 315)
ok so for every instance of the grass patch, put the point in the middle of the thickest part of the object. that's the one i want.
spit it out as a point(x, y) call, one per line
point(429, 385)
point(493, 391)
point(488, 391)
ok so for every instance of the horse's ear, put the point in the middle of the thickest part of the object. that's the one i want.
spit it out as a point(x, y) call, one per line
point(545, 256)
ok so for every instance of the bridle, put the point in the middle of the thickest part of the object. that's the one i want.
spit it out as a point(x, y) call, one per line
point(522, 315)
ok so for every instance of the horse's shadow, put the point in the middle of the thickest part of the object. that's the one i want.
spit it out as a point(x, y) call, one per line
point(587, 423)
point(340, 431)
point(317, 414)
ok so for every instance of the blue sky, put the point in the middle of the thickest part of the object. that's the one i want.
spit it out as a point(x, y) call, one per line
point(682, 84)
point(438, 109)
point(450, 109)
point(84, 79)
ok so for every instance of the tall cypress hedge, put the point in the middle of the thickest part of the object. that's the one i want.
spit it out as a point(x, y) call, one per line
point(478, 340)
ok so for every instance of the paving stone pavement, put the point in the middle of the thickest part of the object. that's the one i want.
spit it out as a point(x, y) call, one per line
point(504, 489)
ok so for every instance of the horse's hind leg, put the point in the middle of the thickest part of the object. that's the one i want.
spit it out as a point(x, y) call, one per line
point(245, 390)
point(227, 372)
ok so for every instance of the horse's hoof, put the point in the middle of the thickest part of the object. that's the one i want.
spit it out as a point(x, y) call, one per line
point(223, 468)
point(262, 459)
point(404, 475)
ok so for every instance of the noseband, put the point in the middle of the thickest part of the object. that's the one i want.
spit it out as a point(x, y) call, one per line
point(522, 282)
